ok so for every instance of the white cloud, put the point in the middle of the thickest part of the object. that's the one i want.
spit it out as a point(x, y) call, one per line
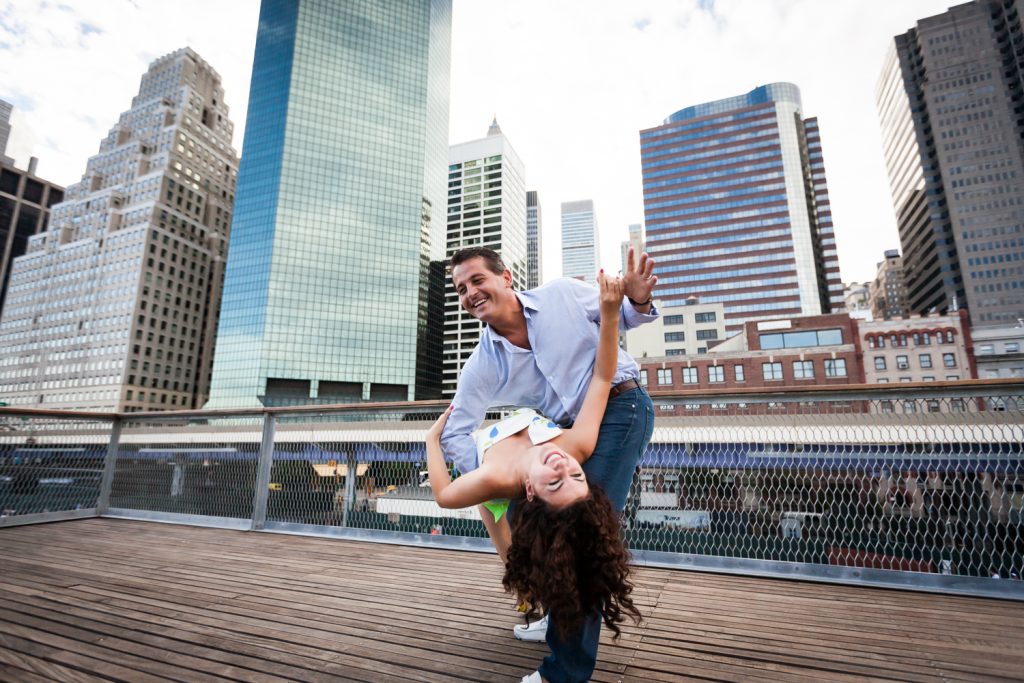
point(572, 83)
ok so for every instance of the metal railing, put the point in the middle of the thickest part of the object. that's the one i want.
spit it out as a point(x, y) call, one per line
point(910, 485)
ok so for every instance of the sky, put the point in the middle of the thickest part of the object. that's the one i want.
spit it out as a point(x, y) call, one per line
point(571, 82)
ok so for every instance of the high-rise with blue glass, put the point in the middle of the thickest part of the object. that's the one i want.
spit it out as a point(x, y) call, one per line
point(736, 208)
point(340, 212)
point(580, 246)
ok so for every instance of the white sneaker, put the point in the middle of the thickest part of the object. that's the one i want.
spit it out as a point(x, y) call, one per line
point(532, 633)
point(532, 678)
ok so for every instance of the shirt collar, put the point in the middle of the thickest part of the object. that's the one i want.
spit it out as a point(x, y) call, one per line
point(529, 301)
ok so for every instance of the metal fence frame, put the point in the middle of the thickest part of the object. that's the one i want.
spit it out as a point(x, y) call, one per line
point(921, 581)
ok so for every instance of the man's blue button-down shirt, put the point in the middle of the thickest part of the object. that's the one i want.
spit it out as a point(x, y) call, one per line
point(562, 321)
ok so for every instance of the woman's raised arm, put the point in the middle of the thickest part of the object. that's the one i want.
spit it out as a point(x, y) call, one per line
point(582, 438)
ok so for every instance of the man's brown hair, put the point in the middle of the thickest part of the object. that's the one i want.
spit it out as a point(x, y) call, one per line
point(491, 258)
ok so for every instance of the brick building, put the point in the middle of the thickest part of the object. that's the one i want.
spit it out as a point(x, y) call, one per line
point(792, 353)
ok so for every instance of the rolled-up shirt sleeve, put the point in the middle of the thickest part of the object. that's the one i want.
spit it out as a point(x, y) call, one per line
point(633, 318)
point(472, 398)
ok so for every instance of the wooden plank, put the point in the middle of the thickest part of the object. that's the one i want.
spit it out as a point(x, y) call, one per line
point(228, 605)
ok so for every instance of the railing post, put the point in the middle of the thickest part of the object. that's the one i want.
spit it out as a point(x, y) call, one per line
point(260, 495)
point(109, 463)
point(352, 469)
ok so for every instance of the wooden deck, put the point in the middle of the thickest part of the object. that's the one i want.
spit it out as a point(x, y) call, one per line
point(108, 599)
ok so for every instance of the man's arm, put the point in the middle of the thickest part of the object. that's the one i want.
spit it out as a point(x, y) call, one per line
point(469, 406)
point(629, 316)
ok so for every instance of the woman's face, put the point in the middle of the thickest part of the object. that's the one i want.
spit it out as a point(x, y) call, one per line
point(555, 477)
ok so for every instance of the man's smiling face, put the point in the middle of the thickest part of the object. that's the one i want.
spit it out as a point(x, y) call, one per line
point(482, 292)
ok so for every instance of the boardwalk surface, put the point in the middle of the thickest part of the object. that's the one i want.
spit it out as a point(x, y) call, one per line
point(108, 599)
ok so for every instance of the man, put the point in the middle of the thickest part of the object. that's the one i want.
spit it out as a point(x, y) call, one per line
point(538, 351)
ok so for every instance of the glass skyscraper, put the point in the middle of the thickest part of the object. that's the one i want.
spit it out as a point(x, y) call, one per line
point(580, 246)
point(339, 219)
point(736, 208)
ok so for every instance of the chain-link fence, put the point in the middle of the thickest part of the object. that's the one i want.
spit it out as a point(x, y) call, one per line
point(849, 484)
point(197, 467)
point(50, 467)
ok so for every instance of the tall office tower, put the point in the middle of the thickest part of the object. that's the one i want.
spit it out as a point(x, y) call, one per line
point(951, 105)
point(487, 207)
point(114, 307)
point(580, 246)
point(534, 243)
point(5, 131)
point(340, 212)
point(888, 292)
point(636, 240)
point(25, 201)
point(736, 208)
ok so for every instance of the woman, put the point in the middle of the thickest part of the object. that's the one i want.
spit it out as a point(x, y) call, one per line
point(565, 551)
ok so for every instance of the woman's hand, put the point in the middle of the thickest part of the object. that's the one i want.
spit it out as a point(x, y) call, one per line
point(435, 430)
point(612, 291)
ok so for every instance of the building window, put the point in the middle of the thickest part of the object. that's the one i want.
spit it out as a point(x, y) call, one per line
point(738, 372)
point(707, 334)
point(986, 349)
point(952, 378)
point(675, 336)
point(879, 362)
point(803, 369)
point(664, 375)
point(1012, 347)
point(675, 352)
point(772, 371)
point(792, 340)
point(902, 362)
point(949, 360)
point(702, 349)
point(835, 367)
point(689, 375)
point(949, 337)
point(928, 378)
point(673, 320)
point(933, 405)
point(926, 338)
point(925, 360)
point(716, 373)
point(643, 378)
point(704, 317)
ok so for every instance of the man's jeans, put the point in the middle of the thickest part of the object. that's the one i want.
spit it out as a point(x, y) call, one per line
point(625, 431)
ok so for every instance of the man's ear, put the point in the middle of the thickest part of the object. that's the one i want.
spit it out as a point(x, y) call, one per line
point(507, 277)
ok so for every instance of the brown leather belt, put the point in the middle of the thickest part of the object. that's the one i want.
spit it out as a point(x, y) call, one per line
point(623, 387)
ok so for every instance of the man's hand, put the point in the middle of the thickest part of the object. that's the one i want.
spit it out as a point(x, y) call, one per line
point(639, 279)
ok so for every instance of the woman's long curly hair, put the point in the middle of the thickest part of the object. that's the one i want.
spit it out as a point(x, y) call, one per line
point(572, 561)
